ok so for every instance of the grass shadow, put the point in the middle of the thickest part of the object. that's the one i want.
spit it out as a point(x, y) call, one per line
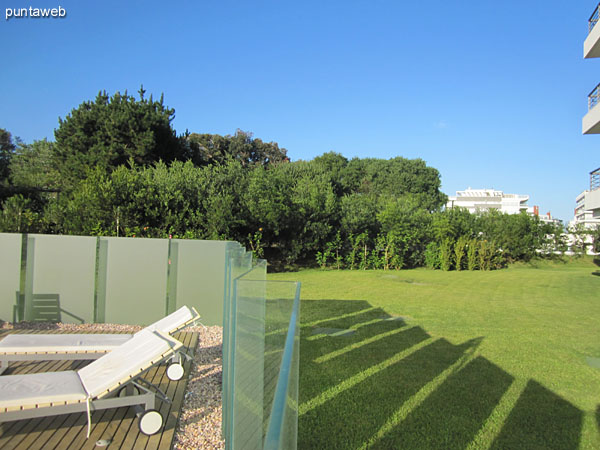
point(350, 387)
point(451, 416)
point(391, 385)
point(354, 415)
point(325, 360)
point(541, 419)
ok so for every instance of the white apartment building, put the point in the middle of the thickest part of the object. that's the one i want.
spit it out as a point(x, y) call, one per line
point(480, 200)
point(587, 209)
point(591, 49)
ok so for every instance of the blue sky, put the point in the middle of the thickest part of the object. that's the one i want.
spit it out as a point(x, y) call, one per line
point(490, 93)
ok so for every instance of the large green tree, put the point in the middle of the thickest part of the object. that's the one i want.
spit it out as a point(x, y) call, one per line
point(395, 177)
point(110, 131)
point(214, 149)
point(32, 167)
point(7, 148)
point(294, 206)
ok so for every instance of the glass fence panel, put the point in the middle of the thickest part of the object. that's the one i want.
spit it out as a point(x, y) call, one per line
point(248, 363)
point(61, 272)
point(238, 262)
point(282, 365)
point(109, 279)
point(10, 276)
point(136, 280)
point(196, 276)
point(262, 410)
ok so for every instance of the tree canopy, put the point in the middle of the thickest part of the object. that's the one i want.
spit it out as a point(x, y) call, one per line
point(117, 167)
point(7, 148)
point(111, 131)
point(208, 149)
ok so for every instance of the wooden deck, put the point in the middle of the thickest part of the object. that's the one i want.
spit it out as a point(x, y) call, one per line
point(117, 426)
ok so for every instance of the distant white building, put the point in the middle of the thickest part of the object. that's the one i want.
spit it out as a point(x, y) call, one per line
point(546, 218)
point(480, 200)
point(587, 204)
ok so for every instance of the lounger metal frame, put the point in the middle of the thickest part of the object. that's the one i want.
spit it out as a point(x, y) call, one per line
point(106, 400)
point(7, 358)
point(147, 399)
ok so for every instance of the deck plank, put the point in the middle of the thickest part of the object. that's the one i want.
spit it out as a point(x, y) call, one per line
point(119, 426)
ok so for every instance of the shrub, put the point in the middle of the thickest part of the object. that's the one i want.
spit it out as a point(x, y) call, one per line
point(472, 254)
point(459, 251)
point(446, 254)
point(486, 253)
point(432, 255)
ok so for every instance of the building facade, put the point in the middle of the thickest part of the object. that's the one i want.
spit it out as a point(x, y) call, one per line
point(591, 49)
point(480, 200)
point(587, 204)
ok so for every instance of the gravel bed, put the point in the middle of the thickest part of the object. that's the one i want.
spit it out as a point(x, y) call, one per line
point(199, 425)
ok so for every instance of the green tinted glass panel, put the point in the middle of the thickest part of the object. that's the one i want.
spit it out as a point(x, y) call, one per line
point(249, 351)
point(136, 280)
point(62, 280)
point(121, 280)
point(260, 381)
point(197, 272)
point(10, 274)
point(238, 263)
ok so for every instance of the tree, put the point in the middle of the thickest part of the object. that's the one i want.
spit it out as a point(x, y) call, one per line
point(213, 149)
point(32, 166)
point(460, 249)
point(517, 235)
point(396, 177)
point(335, 165)
point(359, 215)
point(17, 216)
point(409, 223)
point(453, 223)
point(295, 206)
point(596, 239)
point(109, 131)
point(7, 148)
point(580, 237)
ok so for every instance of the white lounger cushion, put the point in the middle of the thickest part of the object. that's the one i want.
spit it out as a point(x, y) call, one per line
point(174, 321)
point(63, 343)
point(40, 388)
point(32, 344)
point(136, 355)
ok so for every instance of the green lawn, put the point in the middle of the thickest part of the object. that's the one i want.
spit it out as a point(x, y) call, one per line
point(465, 359)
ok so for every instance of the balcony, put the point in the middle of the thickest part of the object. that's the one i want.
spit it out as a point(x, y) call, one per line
point(591, 121)
point(591, 45)
point(592, 200)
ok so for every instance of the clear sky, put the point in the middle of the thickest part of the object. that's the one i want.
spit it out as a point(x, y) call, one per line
point(490, 93)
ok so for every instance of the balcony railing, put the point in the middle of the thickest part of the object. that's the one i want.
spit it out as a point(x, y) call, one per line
point(594, 97)
point(595, 179)
point(594, 19)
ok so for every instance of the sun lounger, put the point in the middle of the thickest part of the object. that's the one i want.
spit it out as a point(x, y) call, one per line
point(109, 382)
point(42, 347)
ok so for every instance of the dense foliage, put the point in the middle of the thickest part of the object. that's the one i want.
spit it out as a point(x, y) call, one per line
point(111, 131)
point(117, 167)
point(207, 149)
point(7, 147)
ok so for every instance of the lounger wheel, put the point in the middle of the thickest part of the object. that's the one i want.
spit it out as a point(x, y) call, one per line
point(150, 422)
point(123, 391)
point(175, 372)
